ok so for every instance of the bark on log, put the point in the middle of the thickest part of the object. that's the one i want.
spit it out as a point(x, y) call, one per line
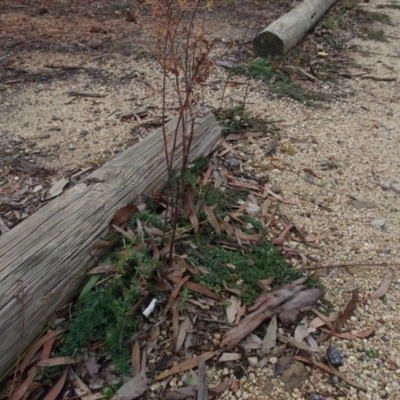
point(284, 33)
point(44, 260)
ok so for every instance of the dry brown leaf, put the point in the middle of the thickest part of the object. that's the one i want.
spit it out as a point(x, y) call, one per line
point(322, 236)
point(23, 389)
point(383, 287)
point(232, 308)
point(81, 390)
point(295, 343)
point(211, 218)
point(188, 208)
point(46, 351)
point(312, 361)
point(129, 235)
point(123, 215)
point(135, 357)
point(92, 366)
point(35, 348)
point(228, 228)
point(349, 336)
point(264, 284)
point(347, 310)
point(175, 322)
point(104, 244)
point(269, 341)
point(302, 330)
point(325, 320)
point(231, 290)
point(244, 236)
point(283, 363)
point(185, 365)
point(240, 313)
point(229, 357)
point(155, 334)
point(277, 197)
point(184, 327)
point(195, 287)
point(55, 361)
point(282, 236)
point(56, 389)
point(178, 284)
point(132, 389)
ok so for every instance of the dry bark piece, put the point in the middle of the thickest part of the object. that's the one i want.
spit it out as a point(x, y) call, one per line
point(202, 392)
point(294, 294)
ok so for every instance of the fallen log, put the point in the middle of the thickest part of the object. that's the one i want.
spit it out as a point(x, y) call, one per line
point(44, 260)
point(284, 33)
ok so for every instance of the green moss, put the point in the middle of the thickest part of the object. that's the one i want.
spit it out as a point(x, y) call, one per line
point(375, 35)
point(241, 269)
point(238, 119)
point(279, 83)
point(370, 353)
point(104, 313)
point(392, 6)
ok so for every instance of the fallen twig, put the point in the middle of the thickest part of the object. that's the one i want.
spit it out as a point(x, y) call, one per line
point(78, 93)
point(63, 66)
point(380, 78)
point(357, 265)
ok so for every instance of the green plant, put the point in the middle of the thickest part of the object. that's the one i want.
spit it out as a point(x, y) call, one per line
point(279, 83)
point(392, 6)
point(104, 313)
point(238, 119)
point(370, 353)
point(376, 35)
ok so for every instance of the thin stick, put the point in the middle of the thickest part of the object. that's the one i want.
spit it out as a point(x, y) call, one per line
point(357, 265)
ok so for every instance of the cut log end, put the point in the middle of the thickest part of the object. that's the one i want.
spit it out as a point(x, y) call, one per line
point(283, 34)
point(268, 44)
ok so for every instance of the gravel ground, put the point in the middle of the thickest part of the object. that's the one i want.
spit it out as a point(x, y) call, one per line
point(354, 199)
point(352, 147)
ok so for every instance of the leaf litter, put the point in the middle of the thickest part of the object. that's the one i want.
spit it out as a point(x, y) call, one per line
point(198, 311)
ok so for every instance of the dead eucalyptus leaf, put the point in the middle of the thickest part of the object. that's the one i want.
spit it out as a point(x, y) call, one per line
point(383, 287)
point(184, 366)
point(232, 309)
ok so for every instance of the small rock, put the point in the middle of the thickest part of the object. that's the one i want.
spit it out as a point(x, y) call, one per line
point(378, 223)
point(273, 360)
point(276, 189)
point(55, 129)
point(234, 162)
point(45, 136)
point(84, 132)
point(294, 376)
point(360, 204)
point(334, 356)
point(253, 361)
point(71, 146)
point(315, 396)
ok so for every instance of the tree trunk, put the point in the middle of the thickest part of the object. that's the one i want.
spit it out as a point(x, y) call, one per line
point(44, 260)
point(284, 33)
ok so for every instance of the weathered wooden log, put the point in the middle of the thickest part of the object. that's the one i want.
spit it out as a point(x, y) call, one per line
point(284, 33)
point(44, 260)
